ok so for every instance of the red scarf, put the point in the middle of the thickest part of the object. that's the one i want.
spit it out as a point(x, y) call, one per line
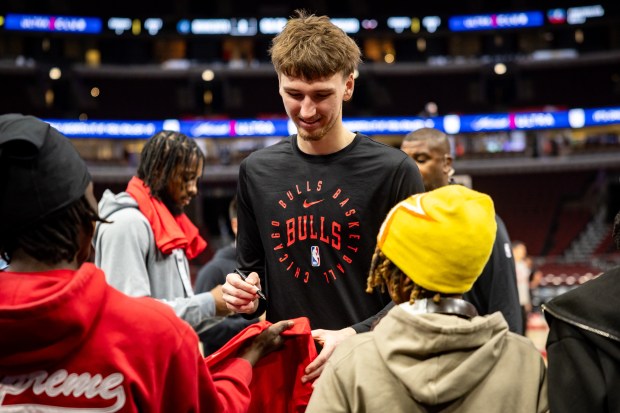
point(170, 232)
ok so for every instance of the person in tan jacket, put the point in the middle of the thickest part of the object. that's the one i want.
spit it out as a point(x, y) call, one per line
point(433, 352)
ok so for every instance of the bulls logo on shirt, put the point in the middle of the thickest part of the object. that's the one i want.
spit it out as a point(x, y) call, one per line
point(317, 215)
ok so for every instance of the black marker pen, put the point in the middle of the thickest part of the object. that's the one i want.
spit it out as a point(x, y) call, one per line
point(244, 277)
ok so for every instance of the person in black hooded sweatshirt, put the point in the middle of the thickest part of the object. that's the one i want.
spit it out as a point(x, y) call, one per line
point(583, 346)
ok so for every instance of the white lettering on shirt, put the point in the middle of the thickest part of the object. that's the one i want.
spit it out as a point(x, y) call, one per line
point(62, 383)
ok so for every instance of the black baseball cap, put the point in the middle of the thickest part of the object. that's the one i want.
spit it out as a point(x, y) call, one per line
point(40, 171)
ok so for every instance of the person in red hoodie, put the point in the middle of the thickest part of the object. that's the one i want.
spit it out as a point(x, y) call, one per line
point(69, 340)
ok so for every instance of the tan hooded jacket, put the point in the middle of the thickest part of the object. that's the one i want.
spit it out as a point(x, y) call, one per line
point(433, 363)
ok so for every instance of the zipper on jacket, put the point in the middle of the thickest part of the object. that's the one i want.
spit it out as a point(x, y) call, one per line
point(580, 325)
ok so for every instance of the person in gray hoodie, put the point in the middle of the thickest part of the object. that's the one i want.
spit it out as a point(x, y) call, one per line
point(144, 246)
point(433, 352)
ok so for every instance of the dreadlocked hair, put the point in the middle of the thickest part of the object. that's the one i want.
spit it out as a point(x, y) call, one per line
point(55, 238)
point(384, 273)
point(160, 157)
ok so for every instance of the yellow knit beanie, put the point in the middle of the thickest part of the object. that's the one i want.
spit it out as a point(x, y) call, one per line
point(441, 239)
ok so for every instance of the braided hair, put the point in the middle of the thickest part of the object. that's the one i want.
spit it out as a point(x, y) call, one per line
point(161, 156)
point(57, 237)
point(384, 273)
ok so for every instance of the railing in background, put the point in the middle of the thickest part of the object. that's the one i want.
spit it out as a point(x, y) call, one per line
point(452, 124)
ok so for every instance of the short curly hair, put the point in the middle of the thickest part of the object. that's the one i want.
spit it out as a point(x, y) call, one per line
point(57, 237)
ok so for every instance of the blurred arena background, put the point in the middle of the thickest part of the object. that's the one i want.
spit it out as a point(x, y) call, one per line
point(533, 86)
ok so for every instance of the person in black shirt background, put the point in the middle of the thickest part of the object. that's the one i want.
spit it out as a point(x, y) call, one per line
point(496, 288)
